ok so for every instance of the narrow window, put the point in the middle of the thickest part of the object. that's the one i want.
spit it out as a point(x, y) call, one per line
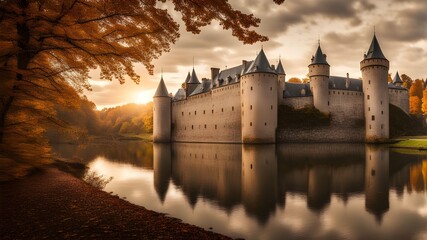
point(189, 113)
point(222, 109)
point(382, 113)
point(195, 113)
point(369, 109)
point(251, 107)
point(382, 126)
point(250, 124)
point(328, 103)
point(271, 88)
point(271, 107)
point(204, 111)
point(367, 97)
point(252, 88)
point(373, 117)
point(369, 82)
point(232, 108)
point(205, 125)
point(182, 113)
point(215, 126)
point(369, 126)
point(265, 124)
point(212, 111)
point(192, 127)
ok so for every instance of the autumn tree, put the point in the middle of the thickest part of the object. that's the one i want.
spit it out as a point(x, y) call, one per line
point(46, 47)
point(414, 105)
point(424, 102)
point(295, 80)
point(417, 89)
point(407, 81)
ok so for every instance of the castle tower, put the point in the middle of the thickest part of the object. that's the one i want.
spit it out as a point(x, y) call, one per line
point(281, 76)
point(318, 72)
point(397, 81)
point(259, 102)
point(191, 83)
point(374, 69)
point(161, 114)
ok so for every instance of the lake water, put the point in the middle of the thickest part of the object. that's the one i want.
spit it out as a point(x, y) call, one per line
point(285, 191)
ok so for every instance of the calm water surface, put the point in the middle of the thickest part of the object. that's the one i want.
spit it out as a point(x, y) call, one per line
point(289, 191)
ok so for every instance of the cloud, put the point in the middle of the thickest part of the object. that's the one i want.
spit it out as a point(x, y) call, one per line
point(345, 29)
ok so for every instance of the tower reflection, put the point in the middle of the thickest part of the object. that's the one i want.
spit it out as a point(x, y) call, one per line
point(162, 159)
point(377, 181)
point(259, 180)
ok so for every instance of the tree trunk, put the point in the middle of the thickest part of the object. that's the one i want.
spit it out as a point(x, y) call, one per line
point(5, 109)
point(23, 58)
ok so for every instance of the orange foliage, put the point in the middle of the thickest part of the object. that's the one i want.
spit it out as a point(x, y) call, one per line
point(417, 88)
point(414, 105)
point(295, 80)
point(424, 105)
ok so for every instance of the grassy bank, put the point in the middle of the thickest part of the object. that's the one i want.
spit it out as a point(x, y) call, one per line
point(146, 137)
point(413, 143)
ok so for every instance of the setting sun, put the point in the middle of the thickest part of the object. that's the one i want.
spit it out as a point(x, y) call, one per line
point(145, 96)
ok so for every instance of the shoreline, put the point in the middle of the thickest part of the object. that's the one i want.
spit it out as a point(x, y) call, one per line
point(52, 203)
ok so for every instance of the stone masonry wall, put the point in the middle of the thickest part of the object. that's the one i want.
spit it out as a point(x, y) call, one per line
point(214, 116)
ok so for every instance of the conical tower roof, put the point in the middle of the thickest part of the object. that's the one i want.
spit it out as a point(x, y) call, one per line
point(319, 57)
point(397, 79)
point(260, 64)
point(279, 68)
point(374, 50)
point(194, 78)
point(187, 79)
point(161, 91)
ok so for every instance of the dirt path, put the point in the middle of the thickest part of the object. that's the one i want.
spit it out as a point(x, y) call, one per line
point(52, 204)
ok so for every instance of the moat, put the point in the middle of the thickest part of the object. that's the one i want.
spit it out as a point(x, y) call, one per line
point(292, 191)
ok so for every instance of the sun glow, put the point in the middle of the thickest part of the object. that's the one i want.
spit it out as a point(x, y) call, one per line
point(145, 96)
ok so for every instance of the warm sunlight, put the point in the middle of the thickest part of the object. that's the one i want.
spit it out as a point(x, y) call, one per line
point(145, 96)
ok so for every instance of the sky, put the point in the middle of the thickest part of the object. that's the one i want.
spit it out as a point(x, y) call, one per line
point(344, 28)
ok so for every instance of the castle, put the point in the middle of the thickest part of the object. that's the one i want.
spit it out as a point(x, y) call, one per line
point(240, 104)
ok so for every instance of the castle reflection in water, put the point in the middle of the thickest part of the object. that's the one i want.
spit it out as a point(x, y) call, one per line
point(261, 176)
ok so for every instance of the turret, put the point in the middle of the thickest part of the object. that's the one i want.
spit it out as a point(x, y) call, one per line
point(191, 83)
point(259, 102)
point(318, 72)
point(374, 69)
point(397, 81)
point(161, 114)
point(281, 77)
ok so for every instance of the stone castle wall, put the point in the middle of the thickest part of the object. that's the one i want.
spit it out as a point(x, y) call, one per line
point(399, 98)
point(347, 121)
point(297, 102)
point(346, 107)
point(208, 117)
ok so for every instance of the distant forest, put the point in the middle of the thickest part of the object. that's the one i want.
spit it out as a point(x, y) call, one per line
point(79, 125)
